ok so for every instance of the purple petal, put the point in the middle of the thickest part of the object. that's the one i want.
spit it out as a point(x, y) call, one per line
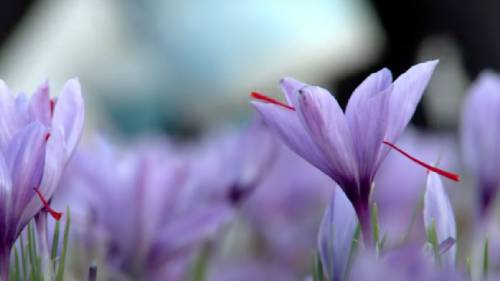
point(286, 125)
point(25, 159)
point(336, 234)
point(5, 197)
point(480, 132)
point(290, 87)
point(69, 114)
point(188, 230)
point(39, 105)
point(367, 115)
point(325, 122)
point(8, 119)
point(406, 94)
point(437, 210)
point(53, 167)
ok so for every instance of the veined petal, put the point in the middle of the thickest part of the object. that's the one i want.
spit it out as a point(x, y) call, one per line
point(53, 167)
point(5, 198)
point(406, 94)
point(8, 118)
point(39, 105)
point(438, 210)
point(367, 115)
point(290, 87)
point(336, 234)
point(325, 122)
point(286, 125)
point(69, 114)
point(25, 159)
point(480, 132)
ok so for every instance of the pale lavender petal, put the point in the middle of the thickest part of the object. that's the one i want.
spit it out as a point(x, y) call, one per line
point(8, 119)
point(286, 125)
point(480, 131)
point(336, 234)
point(69, 114)
point(367, 116)
point(25, 159)
point(39, 105)
point(53, 167)
point(188, 230)
point(290, 87)
point(406, 94)
point(5, 197)
point(438, 210)
point(325, 122)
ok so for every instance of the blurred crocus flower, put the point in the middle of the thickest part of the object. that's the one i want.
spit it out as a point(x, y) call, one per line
point(440, 221)
point(136, 204)
point(336, 234)
point(481, 136)
point(348, 147)
point(37, 137)
point(408, 263)
point(229, 165)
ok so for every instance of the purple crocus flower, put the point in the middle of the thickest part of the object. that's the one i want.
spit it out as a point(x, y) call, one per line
point(348, 147)
point(438, 214)
point(481, 136)
point(37, 136)
point(336, 234)
point(142, 216)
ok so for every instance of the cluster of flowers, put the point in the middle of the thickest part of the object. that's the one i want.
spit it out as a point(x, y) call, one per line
point(304, 181)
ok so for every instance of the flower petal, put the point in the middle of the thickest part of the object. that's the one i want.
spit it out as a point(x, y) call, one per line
point(53, 167)
point(336, 234)
point(367, 115)
point(5, 198)
point(286, 125)
point(39, 105)
point(8, 118)
point(69, 114)
point(438, 210)
point(480, 132)
point(290, 87)
point(25, 159)
point(406, 94)
point(325, 122)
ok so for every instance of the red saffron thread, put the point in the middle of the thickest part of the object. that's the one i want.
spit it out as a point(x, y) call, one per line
point(52, 106)
point(259, 96)
point(47, 136)
point(446, 174)
point(56, 215)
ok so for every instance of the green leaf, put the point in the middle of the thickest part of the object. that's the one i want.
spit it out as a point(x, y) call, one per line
point(199, 270)
point(318, 274)
point(354, 249)
point(62, 261)
point(433, 240)
point(486, 257)
point(55, 242)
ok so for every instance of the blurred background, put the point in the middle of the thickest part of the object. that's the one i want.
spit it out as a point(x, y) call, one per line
point(183, 66)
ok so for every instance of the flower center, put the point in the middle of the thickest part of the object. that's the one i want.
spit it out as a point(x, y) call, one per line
point(264, 98)
point(56, 215)
point(446, 174)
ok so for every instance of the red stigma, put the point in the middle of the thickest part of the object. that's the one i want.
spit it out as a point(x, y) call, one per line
point(446, 174)
point(261, 97)
point(47, 136)
point(52, 106)
point(56, 215)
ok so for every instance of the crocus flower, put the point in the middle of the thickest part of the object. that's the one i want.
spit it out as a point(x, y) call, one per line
point(348, 147)
point(37, 137)
point(336, 234)
point(142, 216)
point(481, 135)
point(438, 217)
point(230, 164)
